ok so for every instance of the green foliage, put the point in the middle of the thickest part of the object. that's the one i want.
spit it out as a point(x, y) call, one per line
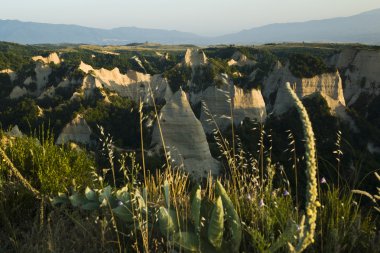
point(23, 112)
point(341, 226)
point(48, 167)
point(5, 85)
point(178, 77)
point(14, 56)
point(208, 237)
point(304, 65)
point(120, 112)
point(203, 77)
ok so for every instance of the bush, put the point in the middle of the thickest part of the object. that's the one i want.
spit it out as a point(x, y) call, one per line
point(49, 168)
point(305, 65)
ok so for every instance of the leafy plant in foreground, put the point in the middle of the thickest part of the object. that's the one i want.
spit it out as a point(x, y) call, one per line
point(215, 237)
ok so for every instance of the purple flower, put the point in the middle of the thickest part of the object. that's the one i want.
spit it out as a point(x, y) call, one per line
point(323, 180)
point(261, 203)
point(286, 193)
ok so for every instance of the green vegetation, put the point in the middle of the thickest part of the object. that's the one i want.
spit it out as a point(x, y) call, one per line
point(178, 77)
point(120, 112)
point(302, 65)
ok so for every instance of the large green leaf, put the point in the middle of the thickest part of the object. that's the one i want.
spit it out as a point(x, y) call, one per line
point(196, 200)
point(216, 224)
point(123, 213)
point(90, 205)
point(77, 199)
point(123, 195)
point(187, 241)
point(233, 220)
point(106, 198)
point(166, 190)
point(60, 199)
point(167, 219)
point(90, 194)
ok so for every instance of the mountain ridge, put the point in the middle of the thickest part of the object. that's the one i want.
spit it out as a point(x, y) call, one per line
point(359, 28)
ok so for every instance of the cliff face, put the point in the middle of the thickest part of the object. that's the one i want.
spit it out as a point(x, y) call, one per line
point(329, 85)
point(195, 57)
point(42, 71)
point(218, 102)
point(248, 104)
point(76, 131)
point(240, 59)
point(133, 84)
point(184, 138)
point(51, 58)
point(360, 70)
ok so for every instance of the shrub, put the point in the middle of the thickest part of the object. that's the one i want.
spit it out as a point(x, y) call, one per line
point(48, 168)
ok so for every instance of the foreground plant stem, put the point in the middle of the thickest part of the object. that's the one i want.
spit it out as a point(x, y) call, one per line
point(308, 222)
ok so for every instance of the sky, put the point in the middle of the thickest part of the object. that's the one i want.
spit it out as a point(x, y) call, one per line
point(204, 17)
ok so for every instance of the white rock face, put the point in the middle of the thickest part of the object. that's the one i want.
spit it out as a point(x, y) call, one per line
point(218, 104)
point(329, 84)
point(50, 92)
point(15, 132)
point(184, 138)
point(42, 76)
point(52, 58)
point(248, 104)
point(284, 101)
point(11, 73)
point(195, 57)
point(240, 59)
point(362, 73)
point(18, 92)
point(133, 84)
point(42, 71)
point(76, 131)
point(245, 104)
point(279, 76)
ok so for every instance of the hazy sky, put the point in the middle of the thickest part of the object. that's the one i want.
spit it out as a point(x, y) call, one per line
point(206, 17)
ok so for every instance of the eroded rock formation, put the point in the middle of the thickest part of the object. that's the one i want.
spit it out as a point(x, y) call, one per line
point(51, 58)
point(76, 131)
point(133, 84)
point(195, 57)
point(360, 70)
point(184, 138)
point(329, 85)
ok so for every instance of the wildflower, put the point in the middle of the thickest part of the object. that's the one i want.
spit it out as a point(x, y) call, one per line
point(286, 193)
point(323, 180)
point(261, 203)
point(119, 203)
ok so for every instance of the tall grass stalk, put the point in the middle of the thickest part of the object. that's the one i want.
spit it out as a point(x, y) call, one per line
point(308, 223)
point(293, 151)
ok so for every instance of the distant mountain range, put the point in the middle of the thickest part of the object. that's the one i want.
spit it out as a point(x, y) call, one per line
point(361, 28)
